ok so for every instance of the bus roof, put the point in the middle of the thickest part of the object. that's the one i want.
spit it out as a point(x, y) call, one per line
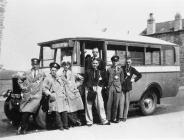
point(111, 37)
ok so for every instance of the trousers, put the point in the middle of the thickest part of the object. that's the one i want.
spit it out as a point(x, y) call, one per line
point(25, 120)
point(73, 118)
point(56, 120)
point(114, 102)
point(99, 104)
point(125, 104)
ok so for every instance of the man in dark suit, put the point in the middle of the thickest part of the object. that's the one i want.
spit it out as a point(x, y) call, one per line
point(101, 66)
point(94, 81)
point(115, 79)
point(129, 71)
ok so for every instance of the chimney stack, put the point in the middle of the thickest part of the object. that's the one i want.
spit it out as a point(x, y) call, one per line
point(151, 25)
point(177, 22)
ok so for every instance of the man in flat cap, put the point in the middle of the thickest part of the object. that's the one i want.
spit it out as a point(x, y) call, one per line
point(31, 86)
point(53, 86)
point(115, 76)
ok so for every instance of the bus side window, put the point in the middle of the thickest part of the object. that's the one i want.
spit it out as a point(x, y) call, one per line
point(66, 54)
point(116, 50)
point(168, 55)
point(48, 56)
point(152, 56)
point(137, 55)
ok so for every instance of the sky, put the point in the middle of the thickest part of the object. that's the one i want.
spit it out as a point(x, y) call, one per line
point(28, 22)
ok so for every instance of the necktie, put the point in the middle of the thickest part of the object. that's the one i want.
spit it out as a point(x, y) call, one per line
point(95, 74)
point(34, 73)
point(66, 74)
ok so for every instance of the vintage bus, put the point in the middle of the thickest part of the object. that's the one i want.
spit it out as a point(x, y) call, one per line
point(157, 60)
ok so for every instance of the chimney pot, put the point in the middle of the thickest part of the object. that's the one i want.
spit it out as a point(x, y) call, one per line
point(177, 22)
point(151, 24)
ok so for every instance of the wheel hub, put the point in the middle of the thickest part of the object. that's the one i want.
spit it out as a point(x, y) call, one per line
point(148, 103)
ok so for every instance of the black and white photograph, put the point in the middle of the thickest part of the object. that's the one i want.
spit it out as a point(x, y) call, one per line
point(91, 69)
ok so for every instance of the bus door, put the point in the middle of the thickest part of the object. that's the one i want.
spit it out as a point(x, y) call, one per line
point(87, 47)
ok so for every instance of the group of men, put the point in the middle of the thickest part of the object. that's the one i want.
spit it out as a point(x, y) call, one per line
point(116, 80)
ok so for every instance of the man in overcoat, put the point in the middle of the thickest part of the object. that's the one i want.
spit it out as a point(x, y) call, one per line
point(115, 76)
point(73, 95)
point(31, 86)
point(53, 87)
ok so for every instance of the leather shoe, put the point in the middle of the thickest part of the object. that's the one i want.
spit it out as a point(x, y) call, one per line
point(61, 128)
point(107, 123)
point(78, 123)
point(66, 127)
point(20, 131)
point(124, 120)
point(89, 125)
point(115, 121)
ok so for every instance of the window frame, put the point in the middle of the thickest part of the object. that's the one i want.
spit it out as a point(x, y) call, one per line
point(129, 44)
point(164, 48)
point(75, 48)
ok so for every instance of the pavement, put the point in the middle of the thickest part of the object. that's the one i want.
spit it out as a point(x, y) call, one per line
point(166, 123)
point(165, 126)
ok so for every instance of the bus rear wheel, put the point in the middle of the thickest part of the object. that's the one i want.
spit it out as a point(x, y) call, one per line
point(148, 102)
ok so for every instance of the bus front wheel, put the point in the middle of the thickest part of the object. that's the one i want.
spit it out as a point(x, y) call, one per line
point(148, 102)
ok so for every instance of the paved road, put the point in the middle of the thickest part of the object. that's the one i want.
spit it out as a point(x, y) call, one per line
point(167, 122)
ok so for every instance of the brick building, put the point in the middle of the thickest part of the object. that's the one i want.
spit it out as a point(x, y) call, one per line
point(172, 31)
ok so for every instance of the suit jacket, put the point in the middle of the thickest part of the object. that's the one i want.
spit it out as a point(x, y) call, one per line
point(100, 78)
point(102, 65)
point(127, 85)
point(112, 73)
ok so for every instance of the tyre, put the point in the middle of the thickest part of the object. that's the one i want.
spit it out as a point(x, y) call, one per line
point(11, 111)
point(6, 108)
point(148, 102)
